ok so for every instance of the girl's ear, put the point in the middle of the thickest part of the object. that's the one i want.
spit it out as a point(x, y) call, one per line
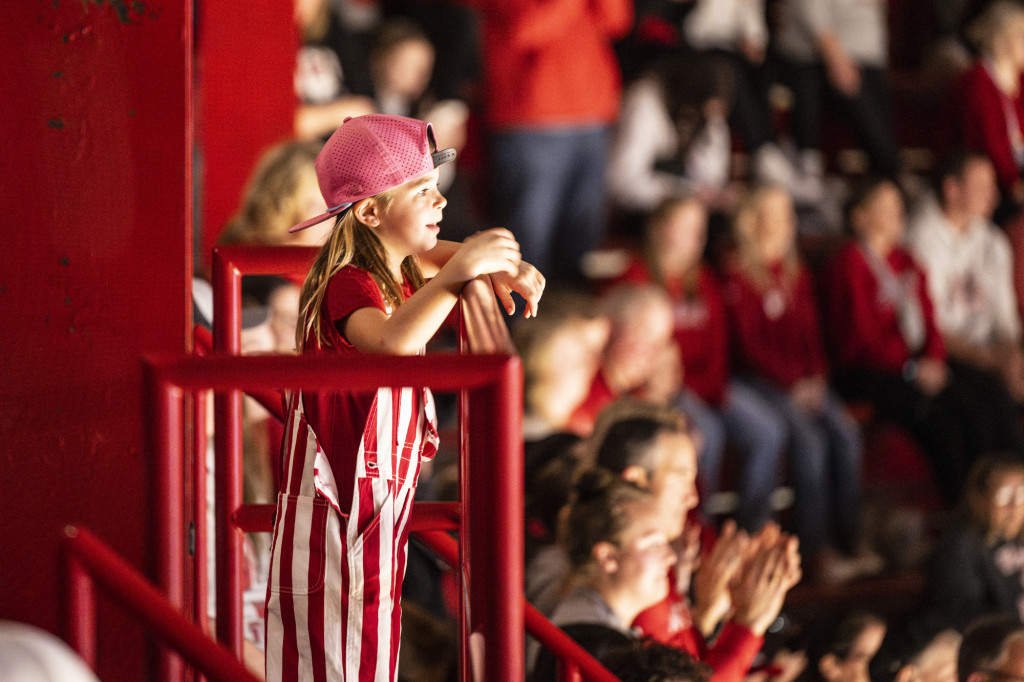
point(607, 557)
point(367, 211)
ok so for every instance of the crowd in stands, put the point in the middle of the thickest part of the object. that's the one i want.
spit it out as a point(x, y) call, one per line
point(751, 272)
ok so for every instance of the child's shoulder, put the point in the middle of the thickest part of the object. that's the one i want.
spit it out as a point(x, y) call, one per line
point(354, 283)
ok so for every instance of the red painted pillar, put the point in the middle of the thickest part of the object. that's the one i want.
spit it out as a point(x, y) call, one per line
point(245, 59)
point(94, 270)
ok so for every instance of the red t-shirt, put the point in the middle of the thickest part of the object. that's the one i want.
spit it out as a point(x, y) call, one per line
point(338, 418)
point(774, 326)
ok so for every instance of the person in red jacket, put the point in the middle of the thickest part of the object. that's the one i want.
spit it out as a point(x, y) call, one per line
point(991, 99)
point(779, 353)
point(889, 351)
point(721, 410)
point(551, 92)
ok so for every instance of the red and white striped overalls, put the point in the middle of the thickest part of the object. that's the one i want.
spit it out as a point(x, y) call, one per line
point(333, 601)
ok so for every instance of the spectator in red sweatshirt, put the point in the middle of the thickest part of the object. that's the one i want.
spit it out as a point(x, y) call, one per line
point(889, 350)
point(552, 87)
point(779, 353)
point(722, 411)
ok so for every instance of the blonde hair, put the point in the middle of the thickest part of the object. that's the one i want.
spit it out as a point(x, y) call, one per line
point(271, 203)
point(745, 230)
point(351, 242)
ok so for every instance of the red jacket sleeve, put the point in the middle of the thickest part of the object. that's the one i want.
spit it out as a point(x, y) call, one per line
point(984, 124)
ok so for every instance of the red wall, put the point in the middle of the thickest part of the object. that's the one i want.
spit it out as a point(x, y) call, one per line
point(245, 60)
point(95, 173)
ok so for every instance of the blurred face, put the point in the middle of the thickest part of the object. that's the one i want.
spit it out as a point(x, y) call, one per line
point(1011, 666)
point(776, 227)
point(638, 344)
point(855, 667)
point(571, 359)
point(937, 663)
point(880, 218)
point(673, 483)
point(1009, 44)
point(406, 69)
point(978, 190)
point(643, 557)
point(1004, 505)
point(679, 240)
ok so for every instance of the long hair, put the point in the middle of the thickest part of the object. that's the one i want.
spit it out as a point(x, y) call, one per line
point(351, 242)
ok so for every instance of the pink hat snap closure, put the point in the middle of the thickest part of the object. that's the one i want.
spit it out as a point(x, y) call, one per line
point(369, 154)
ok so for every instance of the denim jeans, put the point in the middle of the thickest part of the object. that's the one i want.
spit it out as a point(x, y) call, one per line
point(549, 190)
point(825, 454)
point(747, 422)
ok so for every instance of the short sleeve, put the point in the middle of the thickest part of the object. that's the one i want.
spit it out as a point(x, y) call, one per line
point(349, 290)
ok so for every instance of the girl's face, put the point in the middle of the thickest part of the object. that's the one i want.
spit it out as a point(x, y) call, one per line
point(679, 240)
point(880, 217)
point(408, 226)
point(776, 227)
point(674, 482)
point(643, 557)
point(1004, 504)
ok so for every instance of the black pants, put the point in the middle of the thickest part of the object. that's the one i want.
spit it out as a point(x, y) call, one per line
point(867, 112)
point(973, 415)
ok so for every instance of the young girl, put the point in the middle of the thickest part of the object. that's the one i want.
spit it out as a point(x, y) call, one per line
point(780, 355)
point(351, 460)
point(977, 568)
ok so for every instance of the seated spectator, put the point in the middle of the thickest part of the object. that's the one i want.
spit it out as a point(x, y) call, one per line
point(779, 354)
point(840, 649)
point(722, 412)
point(969, 265)
point(639, 358)
point(992, 649)
point(837, 50)
point(672, 138)
point(620, 558)
point(889, 351)
point(903, 658)
point(991, 99)
point(977, 566)
point(561, 354)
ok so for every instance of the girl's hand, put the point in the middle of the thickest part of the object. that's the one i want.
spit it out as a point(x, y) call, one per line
point(712, 580)
point(485, 253)
point(527, 282)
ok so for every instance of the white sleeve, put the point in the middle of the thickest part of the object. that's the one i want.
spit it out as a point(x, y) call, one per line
point(645, 134)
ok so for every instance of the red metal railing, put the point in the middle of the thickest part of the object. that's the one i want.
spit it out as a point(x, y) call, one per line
point(491, 535)
point(233, 518)
point(89, 563)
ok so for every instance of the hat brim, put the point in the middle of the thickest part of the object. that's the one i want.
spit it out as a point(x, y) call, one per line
point(320, 218)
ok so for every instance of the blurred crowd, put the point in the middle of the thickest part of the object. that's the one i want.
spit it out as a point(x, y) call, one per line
point(775, 232)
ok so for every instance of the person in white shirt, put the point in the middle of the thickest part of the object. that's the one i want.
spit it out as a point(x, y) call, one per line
point(969, 265)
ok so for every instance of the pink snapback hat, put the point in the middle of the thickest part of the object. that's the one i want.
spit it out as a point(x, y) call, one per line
point(369, 154)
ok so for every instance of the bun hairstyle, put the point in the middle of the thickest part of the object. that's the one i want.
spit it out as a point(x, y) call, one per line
point(599, 513)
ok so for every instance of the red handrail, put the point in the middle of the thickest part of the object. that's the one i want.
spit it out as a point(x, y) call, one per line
point(90, 562)
point(494, 534)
